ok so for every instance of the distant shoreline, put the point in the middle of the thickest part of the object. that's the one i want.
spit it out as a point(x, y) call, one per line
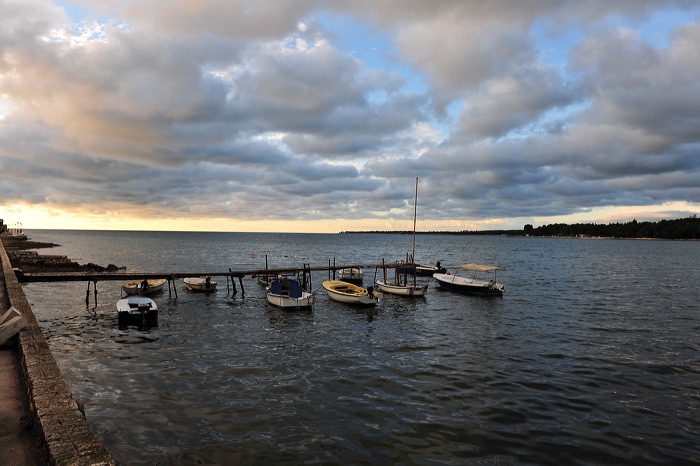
point(517, 235)
point(684, 229)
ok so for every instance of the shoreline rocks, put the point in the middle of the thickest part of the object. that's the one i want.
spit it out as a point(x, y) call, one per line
point(23, 257)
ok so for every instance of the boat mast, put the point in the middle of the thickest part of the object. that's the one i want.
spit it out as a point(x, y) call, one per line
point(415, 209)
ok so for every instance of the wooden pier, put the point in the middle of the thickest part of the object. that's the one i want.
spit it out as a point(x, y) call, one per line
point(94, 277)
point(127, 276)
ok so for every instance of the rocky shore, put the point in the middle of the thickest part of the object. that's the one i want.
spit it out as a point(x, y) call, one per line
point(22, 256)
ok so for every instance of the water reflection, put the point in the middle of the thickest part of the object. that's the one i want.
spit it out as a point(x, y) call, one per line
point(584, 359)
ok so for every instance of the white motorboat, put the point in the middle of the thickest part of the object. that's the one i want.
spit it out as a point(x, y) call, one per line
point(472, 285)
point(137, 310)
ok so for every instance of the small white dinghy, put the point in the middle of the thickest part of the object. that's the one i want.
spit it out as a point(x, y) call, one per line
point(402, 289)
point(351, 275)
point(200, 284)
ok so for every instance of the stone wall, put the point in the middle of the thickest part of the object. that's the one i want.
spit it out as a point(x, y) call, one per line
point(34, 258)
point(65, 431)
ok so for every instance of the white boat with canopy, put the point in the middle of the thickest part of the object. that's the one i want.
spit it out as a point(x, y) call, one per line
point(472, 285)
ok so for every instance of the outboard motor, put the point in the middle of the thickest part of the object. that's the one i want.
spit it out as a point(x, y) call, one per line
point(370, 291)
point(143, 309)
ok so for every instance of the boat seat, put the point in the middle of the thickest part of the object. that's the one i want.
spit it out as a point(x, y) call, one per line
point(287, 288)
point(295, 290)
point(276, 287)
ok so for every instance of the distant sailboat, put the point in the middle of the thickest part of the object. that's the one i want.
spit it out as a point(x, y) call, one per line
point(400, 284)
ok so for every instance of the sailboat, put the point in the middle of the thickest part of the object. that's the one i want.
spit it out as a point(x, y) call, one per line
point(400, 286)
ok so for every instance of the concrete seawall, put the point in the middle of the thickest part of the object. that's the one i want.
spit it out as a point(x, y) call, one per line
point(60, 424)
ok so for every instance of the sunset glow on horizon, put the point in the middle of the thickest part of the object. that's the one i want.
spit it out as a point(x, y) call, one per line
point(39, 219)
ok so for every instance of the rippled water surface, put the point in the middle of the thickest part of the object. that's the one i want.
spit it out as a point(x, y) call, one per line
point(591, 357)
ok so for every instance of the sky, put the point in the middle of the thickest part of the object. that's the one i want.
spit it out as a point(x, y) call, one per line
point(318, 116)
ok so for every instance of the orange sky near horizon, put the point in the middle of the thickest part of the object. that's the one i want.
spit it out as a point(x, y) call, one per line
point(38, 217)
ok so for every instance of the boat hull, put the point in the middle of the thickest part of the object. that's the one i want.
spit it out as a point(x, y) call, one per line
point(349, 293)
point(422, 270)
point(307, 300)
point(138, 311)
point(429, 270)
point(403, 290)
point(469, 286)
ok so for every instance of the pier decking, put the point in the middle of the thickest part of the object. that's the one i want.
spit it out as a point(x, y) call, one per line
point(105, 276)
point(94, 277)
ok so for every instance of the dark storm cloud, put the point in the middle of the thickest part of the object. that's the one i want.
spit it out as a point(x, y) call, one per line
point(238, 106)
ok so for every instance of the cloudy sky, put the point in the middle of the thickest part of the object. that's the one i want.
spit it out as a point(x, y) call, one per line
point(310, 115)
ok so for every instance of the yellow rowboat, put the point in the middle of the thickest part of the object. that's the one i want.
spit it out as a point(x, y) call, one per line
point(152, 285)
point(348, 293)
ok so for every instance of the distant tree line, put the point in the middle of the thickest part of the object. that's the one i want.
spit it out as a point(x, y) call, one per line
point(464, 232)
point(683, 228)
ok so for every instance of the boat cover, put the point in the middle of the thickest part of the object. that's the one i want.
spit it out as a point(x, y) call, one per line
point(137, 302)
point(483, 268)
point(293, 286)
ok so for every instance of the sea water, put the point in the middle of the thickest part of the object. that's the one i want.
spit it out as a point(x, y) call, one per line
point(592, 356)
